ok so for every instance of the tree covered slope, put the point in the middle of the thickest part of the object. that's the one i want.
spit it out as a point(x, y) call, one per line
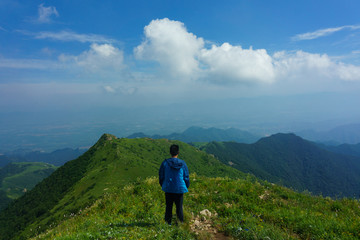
point(18, 178)
point(293, 162)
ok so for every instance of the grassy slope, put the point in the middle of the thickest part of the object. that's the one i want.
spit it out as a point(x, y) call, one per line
point(241, 209)
point(111, 163)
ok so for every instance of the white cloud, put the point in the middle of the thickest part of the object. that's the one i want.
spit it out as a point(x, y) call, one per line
point(237, 64)
point(68, 36)
point(322, 32)
point(300, 64)
point(190, 65)
point(169, 43)
point(101, 62)
point(348, 72)
point(45, 13)
point(100, 58)
point(28, 64)
point(109, 89)
point(315, 67)
point(182, 53)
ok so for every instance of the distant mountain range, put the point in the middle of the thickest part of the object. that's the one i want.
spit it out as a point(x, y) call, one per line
point(198, 134)
point(57, 157)
point(345, 134)
point(345, 149)
point(291, 161)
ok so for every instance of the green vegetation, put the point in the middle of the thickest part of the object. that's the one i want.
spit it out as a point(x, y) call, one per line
point(4, 200)
point(291, 161)
point(18, 178)
point(111, 163)
point(346, 149)
point(240, 209)
point(112, 192)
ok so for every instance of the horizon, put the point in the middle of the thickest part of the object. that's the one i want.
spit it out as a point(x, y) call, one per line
point(70, 71)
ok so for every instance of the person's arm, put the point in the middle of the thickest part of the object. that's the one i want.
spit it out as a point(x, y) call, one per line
point(186, 176)
point(162, 173)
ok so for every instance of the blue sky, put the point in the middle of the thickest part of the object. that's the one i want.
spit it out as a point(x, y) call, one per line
point(93, 46)
point(82, 54)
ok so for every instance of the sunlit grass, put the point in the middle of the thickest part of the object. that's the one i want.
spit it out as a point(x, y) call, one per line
point(241, 209)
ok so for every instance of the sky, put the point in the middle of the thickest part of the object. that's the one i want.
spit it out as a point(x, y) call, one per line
point(86, 58)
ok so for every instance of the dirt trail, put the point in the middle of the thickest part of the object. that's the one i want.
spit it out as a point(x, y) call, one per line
point(202, 225)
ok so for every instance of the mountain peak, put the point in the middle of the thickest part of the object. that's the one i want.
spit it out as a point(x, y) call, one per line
point(106, 137)
point(282, 137)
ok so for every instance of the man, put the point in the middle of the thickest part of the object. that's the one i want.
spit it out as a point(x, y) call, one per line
point(174, 180)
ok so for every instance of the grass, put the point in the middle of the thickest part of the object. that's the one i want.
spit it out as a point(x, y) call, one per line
point(241, 209)
point(30, 174)
point(107, 167)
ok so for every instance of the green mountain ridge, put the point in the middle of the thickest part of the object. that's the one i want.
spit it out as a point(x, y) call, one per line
point(291, 161)
point(111, 163)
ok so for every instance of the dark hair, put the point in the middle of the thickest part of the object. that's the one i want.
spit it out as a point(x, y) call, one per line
point(174, 150)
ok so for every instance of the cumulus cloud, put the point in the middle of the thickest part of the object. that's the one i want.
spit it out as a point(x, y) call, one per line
point(348, 72)
point(322, 32)
point(237, 64)
point(45, 13)
point(303, 65)
point(182, 53)
point(169, 43)
point(99, 58)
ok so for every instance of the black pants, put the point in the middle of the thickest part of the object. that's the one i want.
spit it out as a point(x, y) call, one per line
point(170, 199)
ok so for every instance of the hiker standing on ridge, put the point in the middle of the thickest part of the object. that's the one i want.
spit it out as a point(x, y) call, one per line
point(174, 180)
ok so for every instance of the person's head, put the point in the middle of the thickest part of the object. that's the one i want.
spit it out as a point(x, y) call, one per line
point(174, 150)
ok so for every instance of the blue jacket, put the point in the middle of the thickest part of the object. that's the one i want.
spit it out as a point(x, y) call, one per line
point(174, 176)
